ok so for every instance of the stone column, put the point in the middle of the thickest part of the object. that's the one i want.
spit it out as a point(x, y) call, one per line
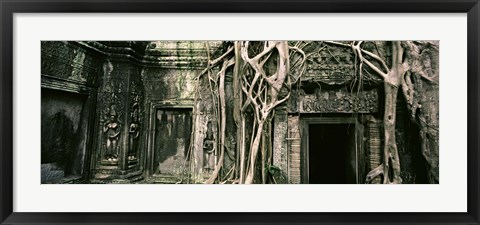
point(374, 146)
point(294, 150)
point(280, 142)
point(114, 105)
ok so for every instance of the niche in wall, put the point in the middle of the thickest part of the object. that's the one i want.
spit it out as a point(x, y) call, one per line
point(172, 140)
point(63, 135)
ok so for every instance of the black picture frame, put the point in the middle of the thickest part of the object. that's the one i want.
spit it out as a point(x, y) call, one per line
point(9, 7)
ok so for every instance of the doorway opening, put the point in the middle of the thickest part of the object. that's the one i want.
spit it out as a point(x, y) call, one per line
point(332, 153)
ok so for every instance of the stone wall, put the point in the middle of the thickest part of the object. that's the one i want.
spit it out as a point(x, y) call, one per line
point(69, 80)
point(71, 62)
point(170, 78)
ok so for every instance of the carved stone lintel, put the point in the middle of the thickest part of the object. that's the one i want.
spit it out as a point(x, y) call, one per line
point(65, 60)
point(337, 101)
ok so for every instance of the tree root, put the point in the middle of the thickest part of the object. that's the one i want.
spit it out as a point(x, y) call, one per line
point(223, 119)
point(375, 173)
point(257, 87)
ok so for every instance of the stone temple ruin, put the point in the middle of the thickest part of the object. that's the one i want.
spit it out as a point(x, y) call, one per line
point(139, 112)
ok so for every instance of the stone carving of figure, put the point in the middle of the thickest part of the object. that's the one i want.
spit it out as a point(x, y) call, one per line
point(112, 131)
point(209, 149)
point(134, 132)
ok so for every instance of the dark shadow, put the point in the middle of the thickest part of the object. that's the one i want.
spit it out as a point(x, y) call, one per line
point(62, 137)
point(330, 154)
point(58, 142)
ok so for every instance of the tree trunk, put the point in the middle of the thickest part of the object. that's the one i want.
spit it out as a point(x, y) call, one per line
point(254, 152)
point(237, 111)
point(391, 161)
point(223, 123)
point(263, 153)
point(242, 151)
point(390, 168)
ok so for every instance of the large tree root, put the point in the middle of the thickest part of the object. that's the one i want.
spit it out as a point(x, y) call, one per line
point(374, 173)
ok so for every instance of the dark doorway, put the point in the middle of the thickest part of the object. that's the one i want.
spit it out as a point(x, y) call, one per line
point(331, 154)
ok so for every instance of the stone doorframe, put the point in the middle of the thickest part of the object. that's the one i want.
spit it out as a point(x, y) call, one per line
point(153, 107)
point(360, 156)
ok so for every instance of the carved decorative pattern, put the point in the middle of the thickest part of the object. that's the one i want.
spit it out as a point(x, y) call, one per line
point(113, 93)
point(331, 65)
point(294, 138)
point(136, 99)
point(137, 94)
point(374, 145)
point(337, 101)
point(69, 61)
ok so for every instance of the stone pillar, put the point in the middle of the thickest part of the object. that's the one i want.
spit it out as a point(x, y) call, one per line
point(123, 162)
point(200, 133)
point(294, 148)
point(280, 144)
point(115, 100)
point(136, 119)
point(111, 106)
point(374, 146)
